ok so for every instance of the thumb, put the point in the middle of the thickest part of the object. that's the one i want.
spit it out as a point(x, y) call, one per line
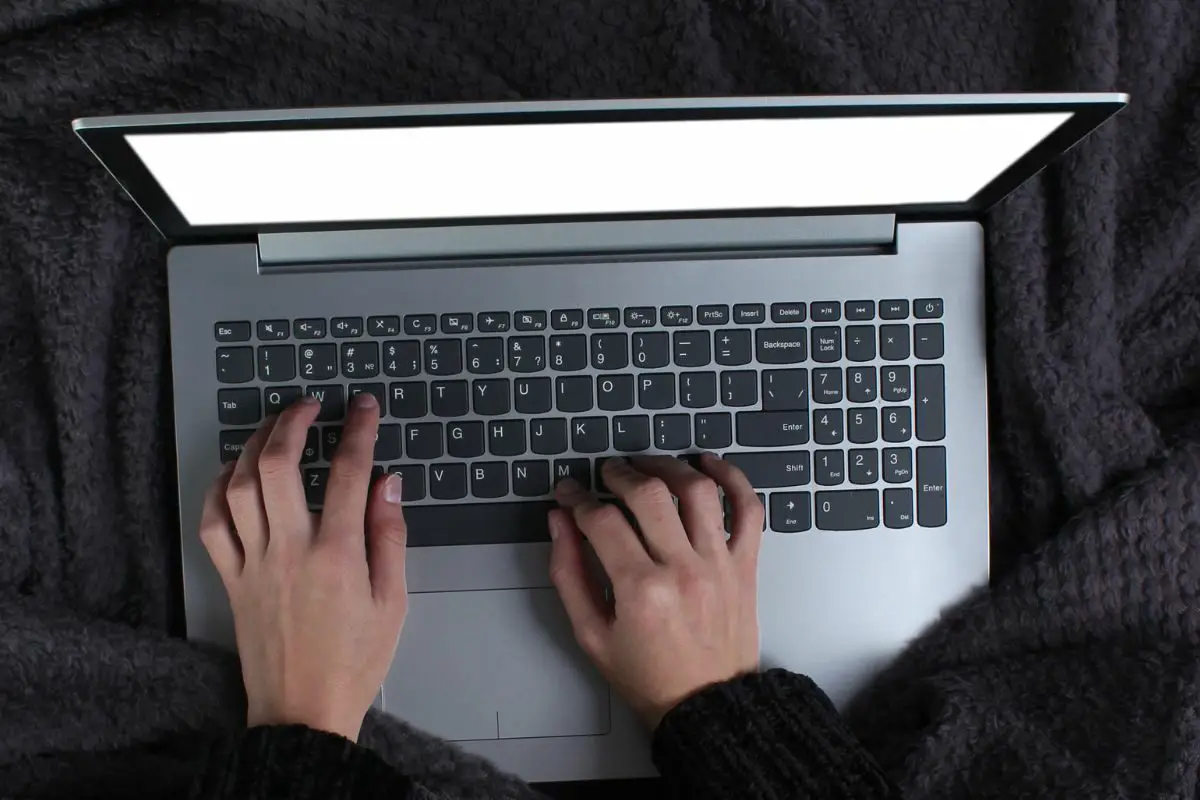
point(387, 539)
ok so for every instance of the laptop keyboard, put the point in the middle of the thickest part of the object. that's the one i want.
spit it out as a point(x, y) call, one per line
point(829, 407)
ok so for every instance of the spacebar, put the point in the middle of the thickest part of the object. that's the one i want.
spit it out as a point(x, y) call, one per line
point(477, 523)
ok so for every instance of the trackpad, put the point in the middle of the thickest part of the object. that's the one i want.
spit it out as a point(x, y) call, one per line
point(494, 664)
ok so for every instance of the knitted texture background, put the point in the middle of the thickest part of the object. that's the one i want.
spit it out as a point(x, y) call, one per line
point(1077, 674)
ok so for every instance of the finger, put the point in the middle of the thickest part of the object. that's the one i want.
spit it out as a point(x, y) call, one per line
point(350, 472)
point(216, 530)
point(279, 473)
point(650, 500)
point(699, 504)
point(581, 594)
point(615, 542)
point(387, 539)
point(244, 495)
point(747, 510)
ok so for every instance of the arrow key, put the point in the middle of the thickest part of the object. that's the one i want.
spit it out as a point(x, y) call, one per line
point(791, 512)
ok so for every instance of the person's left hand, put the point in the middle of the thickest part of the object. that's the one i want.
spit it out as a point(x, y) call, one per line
point(317, 603)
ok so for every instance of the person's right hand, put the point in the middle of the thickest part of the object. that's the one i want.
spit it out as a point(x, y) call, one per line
point(684, 614)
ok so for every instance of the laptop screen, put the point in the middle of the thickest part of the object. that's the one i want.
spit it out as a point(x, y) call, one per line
point(339, 175)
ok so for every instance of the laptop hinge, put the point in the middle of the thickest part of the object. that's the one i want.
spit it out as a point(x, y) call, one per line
point(742, 236)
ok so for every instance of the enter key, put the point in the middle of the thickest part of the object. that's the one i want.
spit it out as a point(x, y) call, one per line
point(931, 487)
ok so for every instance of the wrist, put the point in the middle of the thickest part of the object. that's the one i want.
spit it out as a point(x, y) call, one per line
point(345, 725)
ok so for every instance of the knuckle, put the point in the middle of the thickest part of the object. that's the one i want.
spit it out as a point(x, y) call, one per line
point(650, 491)
point(698, 486)
point(273, 463)
point(242, 491)
point(590, 639)
point(656, 593)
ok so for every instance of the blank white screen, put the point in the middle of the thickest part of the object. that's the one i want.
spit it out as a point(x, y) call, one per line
point(262, 177)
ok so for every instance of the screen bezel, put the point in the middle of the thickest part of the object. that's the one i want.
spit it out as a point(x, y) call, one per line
point(105, 137)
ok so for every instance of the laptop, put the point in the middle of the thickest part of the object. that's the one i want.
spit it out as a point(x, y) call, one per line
point(796, 283)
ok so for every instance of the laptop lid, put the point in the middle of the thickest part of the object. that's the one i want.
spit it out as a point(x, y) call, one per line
point(210, 176)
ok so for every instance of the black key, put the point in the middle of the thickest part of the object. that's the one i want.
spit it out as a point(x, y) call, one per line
point(929, 394)
point(423, 440)
point(314, 486)
point(231, 331)
point(331, 436)
point(824, 311)
point(791, 512)
point(401, 359)
point(332, 398)
point(827, 426)
point(733, 347)
point(931, 487)
point(360, 359)
point(526, 353)
point(929, 341)
point(610, 350)
point(862, 425)
point(785, 313)
point(309, 329)
point(651, 350)
point(491, 397)
point(388, 443)
point(531, 320)
point(407, 400)
point(383, 326)
point(589, 434)
point(579, 469)
point(784, 389)
point(897, 424)
point(485, 356)
point(506, 437)
point(640, 317)
point(698, 389)
point(531, 478)
point(898, 508)
point(860, 384)
point(492, 321)
point(457, 323)
point(312, 447)
point(827, 385)
point(548, 437)
point(692, 348)
point(749, 313)
point(614, 392)
point(420, 324)
point(598, 472)
point(318, 362)
point(895, 387)
point(714, 431)
point(713, 315)
point(443, 356)
point(489, 479)
point(672, 431)
point(740, 388)
point(278, 398)
point(376, 389)
point(860, 310)
point(860, 342)
point(235, 364)
point(346, 327)
point(893, 342)
point(566, 319)
point(674, 316)
point(893, 309)
point(772, 428)
point(602, 318)
point(568, 353)
point(412, 481)
point(856, 510)
point(864, 466)
point(927, 308)
point(464, 439)
point(272, 330)
point(631, 434)
point(574, 394)
point(232, 443)
point(656, 390)
point(239, 406)
point(449, 398)
point(532, 395)
point(897, 465)
point(447, 481)
point(773, 470)
point(781, 345)
point(827, 344)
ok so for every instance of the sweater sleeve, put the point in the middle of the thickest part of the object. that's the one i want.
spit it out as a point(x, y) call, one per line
point(766, 735)
point(296, 762)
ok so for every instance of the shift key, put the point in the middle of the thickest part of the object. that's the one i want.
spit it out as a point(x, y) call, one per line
point(772, 428)
point(931, 487)
point(773, 470)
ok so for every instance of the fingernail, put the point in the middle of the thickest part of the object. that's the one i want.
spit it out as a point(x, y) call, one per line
point(555, 526)
point(393, 488)
point(364, 400)
point(569, 485)
point(309, 400)
point(228, 467)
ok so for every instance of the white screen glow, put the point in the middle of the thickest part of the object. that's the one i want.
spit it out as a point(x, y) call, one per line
point(351, 175)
